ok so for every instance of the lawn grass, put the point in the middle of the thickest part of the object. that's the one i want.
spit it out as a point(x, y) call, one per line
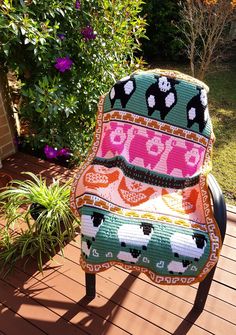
point(222, 99)
point(222, 107)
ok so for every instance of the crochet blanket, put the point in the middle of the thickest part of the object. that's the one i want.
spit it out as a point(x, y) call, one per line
point(142, 193)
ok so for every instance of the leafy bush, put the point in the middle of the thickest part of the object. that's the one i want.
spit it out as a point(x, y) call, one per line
point(38, 220)
point(65, 54)
point(162, 17)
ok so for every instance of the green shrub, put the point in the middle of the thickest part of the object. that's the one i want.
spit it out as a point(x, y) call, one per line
point(66, 54)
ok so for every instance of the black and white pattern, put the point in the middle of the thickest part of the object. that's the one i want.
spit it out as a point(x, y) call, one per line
point(91, 224)
point(132, 256)
point(135, 235)
point(197, 110)
point(192, 246)
point(178, 267)
point(161, 96)
point(122, 90)
point(86, 248)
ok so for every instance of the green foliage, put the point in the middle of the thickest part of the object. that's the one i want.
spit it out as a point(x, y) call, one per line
point(162, 17)
point(61, 105)
point(23, 236)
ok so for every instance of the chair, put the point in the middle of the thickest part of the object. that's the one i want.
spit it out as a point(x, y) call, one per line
point(145, 197)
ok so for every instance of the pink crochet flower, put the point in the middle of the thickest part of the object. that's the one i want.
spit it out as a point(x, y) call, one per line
point(63, 64)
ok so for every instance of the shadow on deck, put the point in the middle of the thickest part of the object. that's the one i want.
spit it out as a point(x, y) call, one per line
point(126, 303)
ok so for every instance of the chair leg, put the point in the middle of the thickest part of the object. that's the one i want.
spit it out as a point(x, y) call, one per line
point(90, 282)
point(203, 290)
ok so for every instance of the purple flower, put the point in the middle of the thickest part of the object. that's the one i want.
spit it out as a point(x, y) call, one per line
point(77, 4)
point(50, 152)
point(88, 33)
point(61, 36)
point(63, 64)
point(16, 141)
point(64, 152)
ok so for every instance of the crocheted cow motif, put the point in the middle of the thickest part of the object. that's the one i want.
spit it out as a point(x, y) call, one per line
point(114, 138)
point(122, 90)
point(188, 246)
point(91, 224)
point(178, 267)
point(138, 236)
point(197, 110)
point(148, 147)
point(161, 96)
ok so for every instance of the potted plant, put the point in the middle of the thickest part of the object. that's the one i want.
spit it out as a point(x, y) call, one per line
point(38, 220)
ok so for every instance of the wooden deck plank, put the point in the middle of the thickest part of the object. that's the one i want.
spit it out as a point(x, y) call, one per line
point(226, 264)
point(34, 312)
point(57, 302)
point(12, 323)
point(229, 252)
point(231, 228)
point(101, 306)
point(230, 241)
point(23, 162)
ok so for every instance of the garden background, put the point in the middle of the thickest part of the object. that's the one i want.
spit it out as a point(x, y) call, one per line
point(59, 57)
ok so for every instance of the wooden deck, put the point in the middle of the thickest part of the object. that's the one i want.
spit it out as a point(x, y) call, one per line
point(54, 303)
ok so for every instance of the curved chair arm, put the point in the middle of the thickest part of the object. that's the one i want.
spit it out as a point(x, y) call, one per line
point(220, 216)
point(219, 205)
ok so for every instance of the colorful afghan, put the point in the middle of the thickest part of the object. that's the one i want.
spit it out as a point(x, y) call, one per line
point(142, 192)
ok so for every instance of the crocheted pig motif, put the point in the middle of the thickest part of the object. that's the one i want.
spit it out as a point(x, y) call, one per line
point(148, 147)
point(123, 91)
point(161, 96)
point(197, 110)
point(184, 158)
point(114, 138)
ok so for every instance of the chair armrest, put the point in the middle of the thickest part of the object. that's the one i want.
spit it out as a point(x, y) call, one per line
point(219, 205)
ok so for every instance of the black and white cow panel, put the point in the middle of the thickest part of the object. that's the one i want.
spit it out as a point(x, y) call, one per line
point(197, 110)
point(161, 96)
point(122, 90)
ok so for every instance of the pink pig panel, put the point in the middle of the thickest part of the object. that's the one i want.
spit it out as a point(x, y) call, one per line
point(151, 149)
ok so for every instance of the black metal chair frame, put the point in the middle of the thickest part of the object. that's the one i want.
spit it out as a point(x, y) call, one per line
point(219, 208)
